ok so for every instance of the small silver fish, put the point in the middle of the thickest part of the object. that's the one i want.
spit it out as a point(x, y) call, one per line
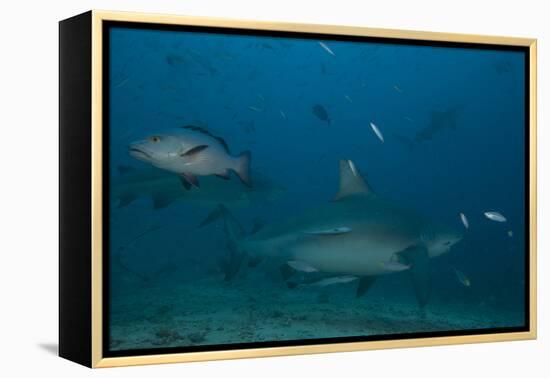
point(191, 151)
point(327, 49)
point(121, 83)
point(510, 233)
point(462, 278)
point(495, 216)
point(408, 119)
point(399, 90)
point(301, 266)
point(348, 98)
point(377, 132)
point(255, 109)
point(334, 280)
point(464, 220)
point(282, 114)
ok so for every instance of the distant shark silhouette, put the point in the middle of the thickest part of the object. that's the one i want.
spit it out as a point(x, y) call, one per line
point(165, 188)
point(357, 234)
point(439, 121)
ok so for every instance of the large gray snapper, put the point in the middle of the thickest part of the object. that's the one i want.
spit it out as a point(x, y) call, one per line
point(192, 151)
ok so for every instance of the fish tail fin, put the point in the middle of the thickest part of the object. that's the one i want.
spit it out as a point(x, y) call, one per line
point(242, 168)
point(235, 235)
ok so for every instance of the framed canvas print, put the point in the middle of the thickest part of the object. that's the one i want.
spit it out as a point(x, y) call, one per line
point(236, 189)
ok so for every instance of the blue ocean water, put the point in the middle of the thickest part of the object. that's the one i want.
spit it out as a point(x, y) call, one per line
point(452, 121)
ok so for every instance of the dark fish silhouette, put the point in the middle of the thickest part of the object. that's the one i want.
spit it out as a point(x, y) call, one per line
point(174, 60)
point(202, 62)
point(502, 67)
point(439, 120)
point(405, 140)
point(320, 112)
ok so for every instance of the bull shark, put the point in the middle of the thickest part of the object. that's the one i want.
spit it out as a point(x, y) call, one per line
point(165, 188)
point(357, 234)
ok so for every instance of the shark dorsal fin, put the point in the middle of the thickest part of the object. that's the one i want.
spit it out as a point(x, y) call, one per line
point(351, 181)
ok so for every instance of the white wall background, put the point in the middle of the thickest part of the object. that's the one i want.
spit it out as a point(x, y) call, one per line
point(28, 172)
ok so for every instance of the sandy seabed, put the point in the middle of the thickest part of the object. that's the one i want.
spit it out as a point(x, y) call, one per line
point(209, 312)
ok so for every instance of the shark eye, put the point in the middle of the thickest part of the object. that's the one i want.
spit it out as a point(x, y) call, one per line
point(154, 139)
point(447, 243)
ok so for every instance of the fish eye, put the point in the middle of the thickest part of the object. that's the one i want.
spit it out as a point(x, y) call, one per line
point(154, 139)
point(447, 243)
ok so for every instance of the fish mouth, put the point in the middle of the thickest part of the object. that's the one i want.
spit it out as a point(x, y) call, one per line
point(138, 154)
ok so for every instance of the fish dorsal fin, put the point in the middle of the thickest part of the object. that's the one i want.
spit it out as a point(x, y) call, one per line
point(351, 181)
point(206, 132)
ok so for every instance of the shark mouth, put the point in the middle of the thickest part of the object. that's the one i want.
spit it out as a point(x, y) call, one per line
point(137, 153)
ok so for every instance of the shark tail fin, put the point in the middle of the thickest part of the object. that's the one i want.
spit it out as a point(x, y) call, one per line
point(235, 234)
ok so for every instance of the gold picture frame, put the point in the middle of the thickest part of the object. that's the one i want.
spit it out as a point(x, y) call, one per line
point(93, 356)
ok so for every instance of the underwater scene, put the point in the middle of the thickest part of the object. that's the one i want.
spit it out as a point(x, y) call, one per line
point(281, 188)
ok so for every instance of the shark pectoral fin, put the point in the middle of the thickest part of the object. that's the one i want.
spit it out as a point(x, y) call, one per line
point(286, 271)
point(418, 260)
point(125, 200)
point(188, 180)
point(364, 285)
point(329, 231)
point(185, 183)
point(160, 201)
